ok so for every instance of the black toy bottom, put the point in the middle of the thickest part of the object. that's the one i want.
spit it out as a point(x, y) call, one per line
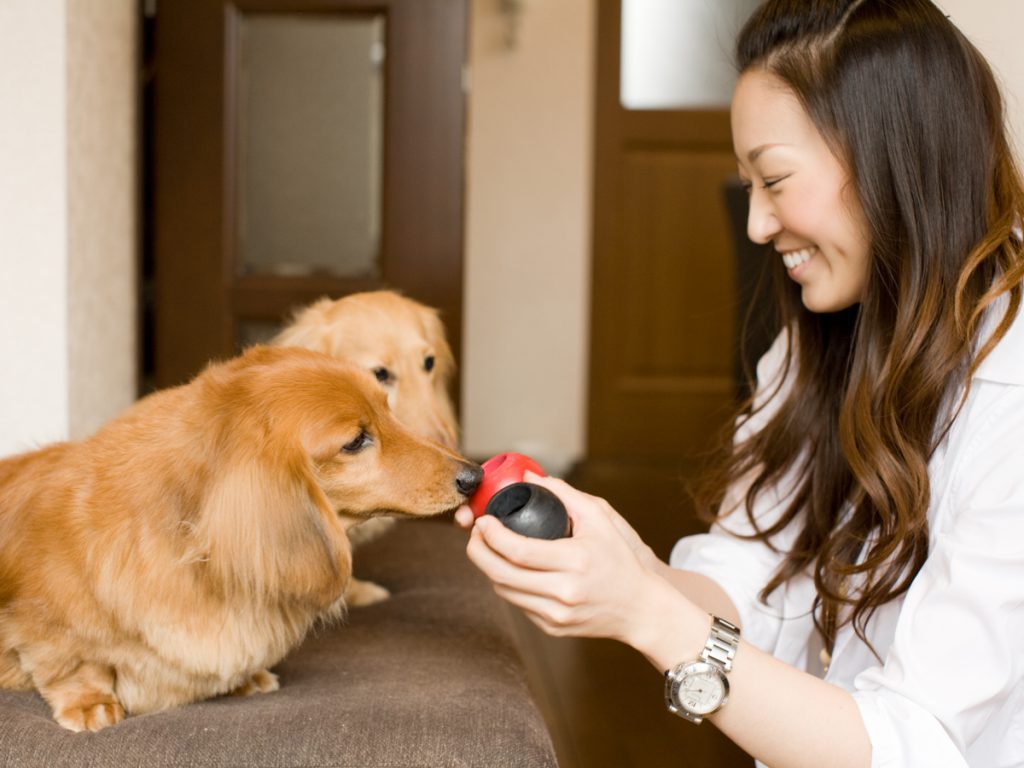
point(530, 510)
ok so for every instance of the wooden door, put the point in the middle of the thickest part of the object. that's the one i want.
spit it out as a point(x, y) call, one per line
point(663, 297)
point(662, 383)
point(388, 209)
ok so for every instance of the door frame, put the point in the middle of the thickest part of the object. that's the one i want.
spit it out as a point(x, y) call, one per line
point(198, 297)
point(614, 436)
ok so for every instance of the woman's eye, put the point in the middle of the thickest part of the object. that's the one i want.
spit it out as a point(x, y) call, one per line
point(383, 375)
point(769, 183)
point(428, 363)
point(361, 441)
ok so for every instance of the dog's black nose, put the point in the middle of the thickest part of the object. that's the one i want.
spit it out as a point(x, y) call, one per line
point(468, 479)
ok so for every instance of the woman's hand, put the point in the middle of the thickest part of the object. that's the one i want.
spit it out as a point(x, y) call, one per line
point(464, 517)
point(592, 584)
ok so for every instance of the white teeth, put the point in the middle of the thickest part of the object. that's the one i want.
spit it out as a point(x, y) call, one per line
point(796, 258)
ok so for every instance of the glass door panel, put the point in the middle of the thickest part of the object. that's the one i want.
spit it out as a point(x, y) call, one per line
point(310, 120)
point(678, 54)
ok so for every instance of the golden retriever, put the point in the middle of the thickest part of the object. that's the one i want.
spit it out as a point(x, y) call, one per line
point(183, 549)
point(403, 343)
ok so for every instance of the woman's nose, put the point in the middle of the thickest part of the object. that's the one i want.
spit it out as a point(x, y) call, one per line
point(762, 225)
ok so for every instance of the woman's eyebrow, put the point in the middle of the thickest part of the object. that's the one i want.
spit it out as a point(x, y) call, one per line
point(757, 151)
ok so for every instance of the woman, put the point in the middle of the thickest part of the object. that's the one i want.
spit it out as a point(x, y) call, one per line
point(865, 574)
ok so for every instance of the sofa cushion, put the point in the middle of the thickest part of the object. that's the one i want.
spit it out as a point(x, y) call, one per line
point(428, 678)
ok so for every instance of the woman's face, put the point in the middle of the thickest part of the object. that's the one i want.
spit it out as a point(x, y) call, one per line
point(801, 200)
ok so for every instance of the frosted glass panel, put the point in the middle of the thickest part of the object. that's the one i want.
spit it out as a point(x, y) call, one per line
point(678, 54)
point(310, 130)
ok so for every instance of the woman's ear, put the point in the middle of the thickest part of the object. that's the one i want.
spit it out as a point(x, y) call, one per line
point(266, 529)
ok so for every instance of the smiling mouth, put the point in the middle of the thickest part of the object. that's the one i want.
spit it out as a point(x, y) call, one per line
point(793, 259)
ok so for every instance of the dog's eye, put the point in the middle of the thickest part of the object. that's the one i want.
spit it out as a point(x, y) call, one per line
point(362, 441)
point(383, 375)
point(428, 363)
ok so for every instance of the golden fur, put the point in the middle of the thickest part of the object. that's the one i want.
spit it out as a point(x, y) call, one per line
point(393, 337)
point(189, 544)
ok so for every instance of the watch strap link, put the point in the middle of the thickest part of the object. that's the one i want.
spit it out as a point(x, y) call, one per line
point(722, 643)
point(718, 652)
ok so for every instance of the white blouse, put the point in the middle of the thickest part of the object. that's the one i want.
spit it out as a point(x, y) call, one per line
point(948, 691)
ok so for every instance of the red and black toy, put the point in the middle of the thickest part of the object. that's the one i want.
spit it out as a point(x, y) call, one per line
point(525, 508)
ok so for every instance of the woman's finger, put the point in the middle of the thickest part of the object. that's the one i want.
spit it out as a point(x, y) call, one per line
point(562, 489)
point(554, 617)
point(523, 551)
point(464, 517)
point(581, 506)
point(505, 573)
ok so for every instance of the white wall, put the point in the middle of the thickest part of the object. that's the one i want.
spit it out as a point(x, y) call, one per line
point(103, 207)
point(996, 27)
point(67, 217)
point(34, 403)
point(527, 285)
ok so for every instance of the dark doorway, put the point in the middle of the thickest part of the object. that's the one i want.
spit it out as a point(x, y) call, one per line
point(296, 149)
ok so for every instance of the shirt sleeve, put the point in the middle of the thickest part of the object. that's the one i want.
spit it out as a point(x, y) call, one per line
point(740, 566)
point(957, 657)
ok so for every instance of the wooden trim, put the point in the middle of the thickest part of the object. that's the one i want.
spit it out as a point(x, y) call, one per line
point(651, 393)
point(685, 127)
point(199, 294)
point(189, 291)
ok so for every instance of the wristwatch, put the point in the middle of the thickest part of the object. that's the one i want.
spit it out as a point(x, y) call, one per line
point(695, 689)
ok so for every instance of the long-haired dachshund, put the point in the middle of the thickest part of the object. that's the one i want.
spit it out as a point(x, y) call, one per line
point(403, 344)
point(189, 544)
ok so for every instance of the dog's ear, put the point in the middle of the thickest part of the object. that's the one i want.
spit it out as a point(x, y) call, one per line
point(265, 529)
point(444, 372)
point(309, 328)
point(444, 360)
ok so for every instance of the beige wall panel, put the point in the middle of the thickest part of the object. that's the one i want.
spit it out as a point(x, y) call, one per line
point(102, 210)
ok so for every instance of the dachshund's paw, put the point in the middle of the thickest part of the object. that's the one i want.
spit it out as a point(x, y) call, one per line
point(359, 593)
point(93, 713)
point(263, 681)
point(11, 673)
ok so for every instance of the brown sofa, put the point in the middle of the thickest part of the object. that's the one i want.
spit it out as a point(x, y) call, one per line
point(430, 678)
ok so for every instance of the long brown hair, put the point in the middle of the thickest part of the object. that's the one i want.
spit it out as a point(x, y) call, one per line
point(914, 113)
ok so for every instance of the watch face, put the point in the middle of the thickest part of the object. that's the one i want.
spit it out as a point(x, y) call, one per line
point(702, 688)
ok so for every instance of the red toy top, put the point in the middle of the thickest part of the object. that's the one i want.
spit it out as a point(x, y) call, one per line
point(499, 471)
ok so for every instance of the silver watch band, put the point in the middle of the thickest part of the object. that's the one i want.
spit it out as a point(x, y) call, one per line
point(718, 654)
point(722, 643)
